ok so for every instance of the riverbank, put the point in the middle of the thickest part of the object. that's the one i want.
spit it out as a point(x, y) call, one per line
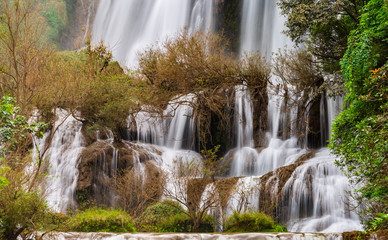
point(215, 236)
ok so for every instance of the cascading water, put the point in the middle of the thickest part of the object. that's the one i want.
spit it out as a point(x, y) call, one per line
point(261, 27)
point(90, 6)
point(62, 154)
point(317, 197)
point(245, 155)
point(312, 209)
point(130, 26)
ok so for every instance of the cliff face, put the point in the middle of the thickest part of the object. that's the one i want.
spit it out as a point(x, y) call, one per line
point(81, 14)
point(104, 162)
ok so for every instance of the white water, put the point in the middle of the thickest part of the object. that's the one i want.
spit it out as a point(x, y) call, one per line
point(130, 26)
point(244, 152)
point(90, 6)
point(318, 201)
point(324, 208)
point(62, 155)
point(174, 129)
point(261, 27)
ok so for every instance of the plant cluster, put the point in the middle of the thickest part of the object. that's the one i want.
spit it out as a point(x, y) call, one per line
point(360, 132)
point(22, 204)
point(200, 65)
point(100, 220)
point(252, 222)
point(169, 216)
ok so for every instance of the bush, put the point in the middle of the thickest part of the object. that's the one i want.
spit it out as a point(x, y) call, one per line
point(183, 223)
point(252, 222)
point(168, 216)
point(155, 214)
point(100, 220)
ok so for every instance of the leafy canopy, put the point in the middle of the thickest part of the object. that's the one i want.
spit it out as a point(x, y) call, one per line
point(360, 132)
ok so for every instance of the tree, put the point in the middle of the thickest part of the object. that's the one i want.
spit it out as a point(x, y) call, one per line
point(136, 192)
point(200, 65)
point(22, 206)
point(22, 50)
point(194, 185)
point(300, 82)
point(324, 25)
point(360, 132)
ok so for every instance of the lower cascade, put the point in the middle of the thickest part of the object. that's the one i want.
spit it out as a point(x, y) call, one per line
point(282, 169)
point(306, 191)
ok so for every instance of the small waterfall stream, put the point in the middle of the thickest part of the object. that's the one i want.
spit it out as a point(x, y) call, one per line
point(62, 154)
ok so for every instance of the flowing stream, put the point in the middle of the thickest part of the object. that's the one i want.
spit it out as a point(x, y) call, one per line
point(315, 192)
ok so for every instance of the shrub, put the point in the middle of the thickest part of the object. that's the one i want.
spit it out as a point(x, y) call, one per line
point(155, 214)
point(100, 220)
point(252, 222)
point(183, 223)
point(169, 216)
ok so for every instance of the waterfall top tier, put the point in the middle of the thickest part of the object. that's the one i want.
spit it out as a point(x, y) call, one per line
point(130, 26)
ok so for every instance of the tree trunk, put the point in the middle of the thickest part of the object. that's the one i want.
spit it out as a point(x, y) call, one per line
point(196, 223)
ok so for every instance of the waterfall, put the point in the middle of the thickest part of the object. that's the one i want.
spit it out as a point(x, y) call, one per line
point(317, 197)
point(243, 117)
point(130, 26)
point(202, 16)
point(334, 107)
point(261, 27)
point(90, 7)
point(62, 155)
point(314, 195)
point(317, 189)
point(174, 129)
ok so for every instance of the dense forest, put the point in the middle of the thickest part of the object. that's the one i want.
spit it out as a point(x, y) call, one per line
point(340, 49)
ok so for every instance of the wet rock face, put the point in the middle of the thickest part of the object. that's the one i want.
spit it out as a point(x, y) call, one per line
point(317, 120)
point(260, 113)
point(99, 163)
point(273, 201)
point(81, 14)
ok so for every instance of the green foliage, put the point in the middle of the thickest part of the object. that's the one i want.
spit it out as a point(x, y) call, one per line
point(169, 216)
point(14, 128)
point(56, 17)
point(100, 220)
point(360, 132)
point(183, 223)
point(154, 215)
point(24, 211)
point(22, 207)
point(323, 25)
point(89, 82)
point(367, 48)
point(379, 222)
point(252, 222)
